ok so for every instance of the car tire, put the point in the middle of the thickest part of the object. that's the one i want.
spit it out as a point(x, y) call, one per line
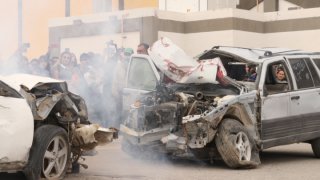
point(315, 144)
point(235, 145)
point(49, 155)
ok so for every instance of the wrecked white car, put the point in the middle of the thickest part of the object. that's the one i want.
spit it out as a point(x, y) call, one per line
point(44, 128)
point(225, 114)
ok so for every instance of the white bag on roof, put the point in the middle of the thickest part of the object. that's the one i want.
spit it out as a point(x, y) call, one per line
point(181, 68)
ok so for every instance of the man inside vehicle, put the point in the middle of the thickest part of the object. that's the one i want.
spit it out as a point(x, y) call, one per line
point(280, 75)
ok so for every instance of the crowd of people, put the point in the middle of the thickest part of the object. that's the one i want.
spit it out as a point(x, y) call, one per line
point(98, 78)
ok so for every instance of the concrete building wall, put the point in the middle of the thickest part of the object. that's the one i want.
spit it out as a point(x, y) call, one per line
point(306, 3)
point(259, 8)
point(305, 40)
point(77, 9)
point(35, 15)
point(271, 5)
point(195, 43)
point(97, 44)
point(197, 31)
point(130, 4)
point(8, 30)
point(35, 21)
point(222, 4)
point(99, 6)
point(110, 26)
point(198, 42)
point(184, 6)
point(285, 5)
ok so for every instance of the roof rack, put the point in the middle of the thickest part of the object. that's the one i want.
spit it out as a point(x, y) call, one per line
point(282, 53)
point(266, 52)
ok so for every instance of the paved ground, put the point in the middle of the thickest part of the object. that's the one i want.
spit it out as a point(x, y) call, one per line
point(286, 162)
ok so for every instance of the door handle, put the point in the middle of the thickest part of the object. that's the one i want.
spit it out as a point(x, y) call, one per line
point(295, 97)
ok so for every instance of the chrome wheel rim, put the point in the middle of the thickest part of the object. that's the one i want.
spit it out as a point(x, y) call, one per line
point(243, 146)
point(55, 158)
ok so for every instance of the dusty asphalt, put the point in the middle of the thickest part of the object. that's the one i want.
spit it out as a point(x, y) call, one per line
point(287, 162)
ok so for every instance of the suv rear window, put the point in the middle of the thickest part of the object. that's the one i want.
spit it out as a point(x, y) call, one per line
point(315, 76)
point(301, 72)
point(317, 62)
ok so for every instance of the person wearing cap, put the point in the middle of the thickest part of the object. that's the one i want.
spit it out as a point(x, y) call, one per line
point(128, 52)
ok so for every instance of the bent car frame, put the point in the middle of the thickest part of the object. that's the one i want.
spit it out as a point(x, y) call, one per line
point(232, 117)
point(44, 128)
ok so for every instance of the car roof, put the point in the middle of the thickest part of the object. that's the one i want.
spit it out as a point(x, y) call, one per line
point(253, 55)
point(28, 80)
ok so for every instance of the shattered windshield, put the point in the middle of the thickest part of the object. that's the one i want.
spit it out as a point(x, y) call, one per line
point(141, 75)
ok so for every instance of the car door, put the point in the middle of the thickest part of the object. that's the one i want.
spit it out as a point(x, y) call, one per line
point(16, 126)
point(142, 77)
point(275, 116)
point(305, 99)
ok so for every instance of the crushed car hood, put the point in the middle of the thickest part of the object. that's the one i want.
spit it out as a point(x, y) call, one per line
point(43, 93)
point(27, 80)
point(40, 101)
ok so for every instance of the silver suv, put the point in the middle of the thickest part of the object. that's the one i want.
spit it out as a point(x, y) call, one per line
point(270, 97)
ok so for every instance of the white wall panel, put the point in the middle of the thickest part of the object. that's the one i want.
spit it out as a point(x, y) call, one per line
point(183, 6)
point(195, 43)
point(97, 44)
point(304, 40)
point(248, 39)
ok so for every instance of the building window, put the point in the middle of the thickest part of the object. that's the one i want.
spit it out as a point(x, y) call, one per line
point(121, 5)
point(102, 6)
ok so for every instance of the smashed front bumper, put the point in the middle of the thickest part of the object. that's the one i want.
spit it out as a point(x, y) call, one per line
point(178, 134)
point(143, 138)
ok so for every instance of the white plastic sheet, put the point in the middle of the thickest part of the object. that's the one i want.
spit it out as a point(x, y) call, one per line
point(180, 67)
